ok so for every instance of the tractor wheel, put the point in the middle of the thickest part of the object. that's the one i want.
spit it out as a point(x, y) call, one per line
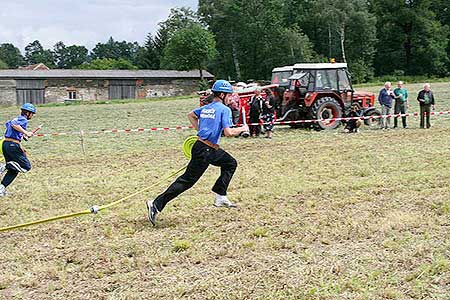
point(326, 108)
point(373, 123)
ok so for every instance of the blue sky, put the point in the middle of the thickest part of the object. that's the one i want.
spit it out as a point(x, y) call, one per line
point(82, 22)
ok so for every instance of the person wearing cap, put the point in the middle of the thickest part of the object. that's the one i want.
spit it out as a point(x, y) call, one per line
point(210, 121)
point(401, 103)
point(15, 156)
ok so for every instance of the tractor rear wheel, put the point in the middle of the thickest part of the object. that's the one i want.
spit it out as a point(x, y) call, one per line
point(326, 108)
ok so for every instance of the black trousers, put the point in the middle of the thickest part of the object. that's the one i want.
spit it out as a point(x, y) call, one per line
point(425, 111)
point(400, 108)
point(202, 157)
point(16, 161)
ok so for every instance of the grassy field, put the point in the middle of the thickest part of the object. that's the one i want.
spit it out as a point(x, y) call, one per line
point(322, 215)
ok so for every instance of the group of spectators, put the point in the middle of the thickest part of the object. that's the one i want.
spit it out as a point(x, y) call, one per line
point(262, 110)
point(399, 99)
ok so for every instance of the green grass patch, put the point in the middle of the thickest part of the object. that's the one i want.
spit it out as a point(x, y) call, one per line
point(322, 215)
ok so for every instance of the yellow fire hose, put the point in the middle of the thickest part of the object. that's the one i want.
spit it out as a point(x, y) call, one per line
point(187, 148)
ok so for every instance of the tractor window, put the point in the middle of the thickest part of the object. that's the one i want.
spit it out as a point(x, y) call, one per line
point(344, 82)
point(281, 77)
point(326, 80)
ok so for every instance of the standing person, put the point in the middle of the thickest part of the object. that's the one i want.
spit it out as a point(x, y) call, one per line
point(385, 99)
point(235, 105)
point(401, 103)
point(256, 105)
point(15, 156)
point(426, 101)
point(268, 113)
point(209, 121)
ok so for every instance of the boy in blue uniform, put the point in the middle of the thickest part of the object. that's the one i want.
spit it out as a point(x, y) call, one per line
point(209, 121)
point(15, 157)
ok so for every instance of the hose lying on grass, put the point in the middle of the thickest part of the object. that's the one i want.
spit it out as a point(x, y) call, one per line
point(187, 148)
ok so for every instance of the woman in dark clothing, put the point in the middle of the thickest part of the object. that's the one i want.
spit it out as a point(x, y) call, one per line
point(268, 115)
point(256, 105)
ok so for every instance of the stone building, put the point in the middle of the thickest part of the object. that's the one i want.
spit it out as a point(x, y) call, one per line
point(45, 86)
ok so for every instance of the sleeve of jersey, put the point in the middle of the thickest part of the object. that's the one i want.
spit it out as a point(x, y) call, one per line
point(197, 111)
point(226, 118)
point(21, 123)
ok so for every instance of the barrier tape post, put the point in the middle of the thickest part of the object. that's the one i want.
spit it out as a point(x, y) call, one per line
point(82, 142)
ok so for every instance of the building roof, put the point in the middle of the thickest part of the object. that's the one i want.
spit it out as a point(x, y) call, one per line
point(100, 74)
point(39, 66)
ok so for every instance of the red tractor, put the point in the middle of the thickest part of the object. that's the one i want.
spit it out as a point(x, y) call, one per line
point(309, 92)
point(323, 91)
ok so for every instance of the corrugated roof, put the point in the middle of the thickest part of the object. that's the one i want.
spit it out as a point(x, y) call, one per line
point(104, 74)
point(320, 66)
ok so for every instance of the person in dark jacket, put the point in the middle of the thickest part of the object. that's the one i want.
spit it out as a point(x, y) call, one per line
point(426, 102)
point(353, 125)
point(385, 99)
point(256, 105)
point(268, 113)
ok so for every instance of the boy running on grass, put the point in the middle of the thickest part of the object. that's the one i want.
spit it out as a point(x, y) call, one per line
point(15, 156)
point(209, 121)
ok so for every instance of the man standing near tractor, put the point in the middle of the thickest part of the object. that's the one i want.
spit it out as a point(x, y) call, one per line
point(210, 121)
point(401, 103)
point(385, 100)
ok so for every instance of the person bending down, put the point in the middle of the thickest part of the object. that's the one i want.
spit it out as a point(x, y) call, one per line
point(209, 121)
point(353, 125)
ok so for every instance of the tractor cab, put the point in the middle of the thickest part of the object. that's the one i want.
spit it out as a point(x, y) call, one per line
point(281, 76)
point(321, 91)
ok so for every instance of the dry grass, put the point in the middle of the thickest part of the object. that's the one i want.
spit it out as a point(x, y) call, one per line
point(323, 215)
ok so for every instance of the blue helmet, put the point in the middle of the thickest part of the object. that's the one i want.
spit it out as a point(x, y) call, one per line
point(29, 107)
point(222, 86)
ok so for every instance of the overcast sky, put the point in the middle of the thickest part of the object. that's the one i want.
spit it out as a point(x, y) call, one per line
point(82, 22)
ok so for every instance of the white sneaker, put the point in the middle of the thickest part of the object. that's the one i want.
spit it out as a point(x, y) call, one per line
point(2, 190)
point(2, 168)
point(222, 201)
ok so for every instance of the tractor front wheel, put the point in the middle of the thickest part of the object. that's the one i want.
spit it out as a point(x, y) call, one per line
point(326, 108)
point(373, 122)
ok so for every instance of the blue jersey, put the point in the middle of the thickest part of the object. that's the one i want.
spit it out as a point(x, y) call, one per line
point(11, 132)
point(213, 119)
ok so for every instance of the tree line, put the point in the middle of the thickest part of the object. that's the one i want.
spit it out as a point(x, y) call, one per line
point(244, 40)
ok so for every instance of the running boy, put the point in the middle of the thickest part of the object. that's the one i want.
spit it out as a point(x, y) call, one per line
point(15, 156)
point(209, 120)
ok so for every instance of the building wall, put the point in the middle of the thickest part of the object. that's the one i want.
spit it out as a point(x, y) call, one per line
point(150, 88)
point(8, 92)
point(57, 90)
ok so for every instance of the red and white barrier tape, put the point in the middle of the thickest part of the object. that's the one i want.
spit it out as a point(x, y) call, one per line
point(155, 129)
point(416, 114)
point(117, 131)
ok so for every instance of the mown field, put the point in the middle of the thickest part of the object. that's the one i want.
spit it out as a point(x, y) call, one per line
point(322, 215)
